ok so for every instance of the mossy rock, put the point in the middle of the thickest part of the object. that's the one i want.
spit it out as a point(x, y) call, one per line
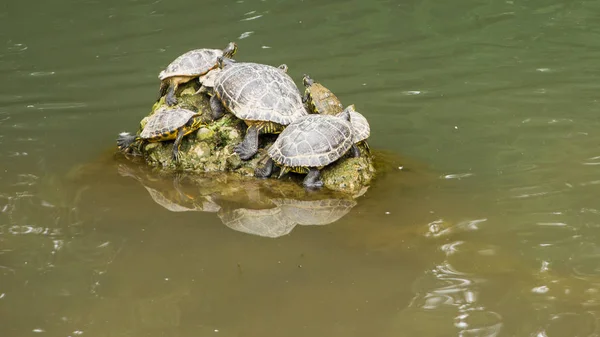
point(210, 148)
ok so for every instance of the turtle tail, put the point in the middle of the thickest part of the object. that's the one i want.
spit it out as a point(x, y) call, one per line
point(125, 141)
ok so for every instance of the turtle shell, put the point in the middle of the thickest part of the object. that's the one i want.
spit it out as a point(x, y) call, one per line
point(165, 120)
point(322, 100)
point(360, 125)
point(208, 80)
point(193, 63)
point(312, 141)
point(259, 92)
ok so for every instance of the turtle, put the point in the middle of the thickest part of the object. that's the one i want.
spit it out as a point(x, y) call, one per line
point(309, 144)
point(165, 124)
point(319, 99)
point(264, 97)
point(360, 129)
point(189, 66)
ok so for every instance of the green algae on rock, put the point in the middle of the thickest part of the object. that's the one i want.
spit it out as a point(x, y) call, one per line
point(211, 148)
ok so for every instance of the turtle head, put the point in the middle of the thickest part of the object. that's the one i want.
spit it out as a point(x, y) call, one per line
point(224, 61)
point(307, 80)
point(230, 50)
point(283, 67)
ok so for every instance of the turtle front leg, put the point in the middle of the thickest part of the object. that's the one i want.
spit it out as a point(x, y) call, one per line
point(177, 144)
point(313, 179)
point(355, 151)
point(164, 88)
point(171, 99)
point(249, 146)
point(218, 110)
point(266, 170)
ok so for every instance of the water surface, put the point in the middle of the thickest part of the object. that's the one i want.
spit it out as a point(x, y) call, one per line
point(489, 229)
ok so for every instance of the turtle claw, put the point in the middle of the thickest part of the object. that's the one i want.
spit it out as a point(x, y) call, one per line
point(171, 100)
point(313, 179)
point(218, 110)
point(264, 171)
point(244, 153)
point(249, 146)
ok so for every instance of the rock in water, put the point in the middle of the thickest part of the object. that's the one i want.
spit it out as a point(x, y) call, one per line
point(211, 149)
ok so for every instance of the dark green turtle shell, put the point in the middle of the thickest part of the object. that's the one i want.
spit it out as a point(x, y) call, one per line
point(312, 141)
point(259, 92)
point(322, 101)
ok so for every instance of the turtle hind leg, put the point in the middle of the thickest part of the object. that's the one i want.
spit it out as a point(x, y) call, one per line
point(171, 99)
point(265, 170)
point(218, 110)
point(177, 144)
point(313, 179)
point(249, 146)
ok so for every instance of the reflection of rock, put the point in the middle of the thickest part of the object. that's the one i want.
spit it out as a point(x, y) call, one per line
point(170, 196)
point(264, 207)
point(314, 212)
point(210, 149)
point(175, 205)
point(271, 222)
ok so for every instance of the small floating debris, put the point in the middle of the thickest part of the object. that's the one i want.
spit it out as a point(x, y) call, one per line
point(554, 224)
point(412, 92)
point(246, 34)
point(42, 73)
point(252, 18)
point(540, 290)
point(57, 106)
point(457, 175)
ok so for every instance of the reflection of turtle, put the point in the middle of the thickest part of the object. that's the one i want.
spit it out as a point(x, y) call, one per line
point(265, 97)
point(169, 196)
point(314, 212)
point(308, 144)
point(360, 128)
point(319, 99)
point(271, 222)
point(164, 124)
point(180, 202)
point(189, 66)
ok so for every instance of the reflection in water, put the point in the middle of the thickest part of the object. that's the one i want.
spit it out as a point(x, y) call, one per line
point(270, 222)
point(169, 196)
point(269, 208)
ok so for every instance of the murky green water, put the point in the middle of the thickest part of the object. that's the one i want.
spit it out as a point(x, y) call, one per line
point(491, 230)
